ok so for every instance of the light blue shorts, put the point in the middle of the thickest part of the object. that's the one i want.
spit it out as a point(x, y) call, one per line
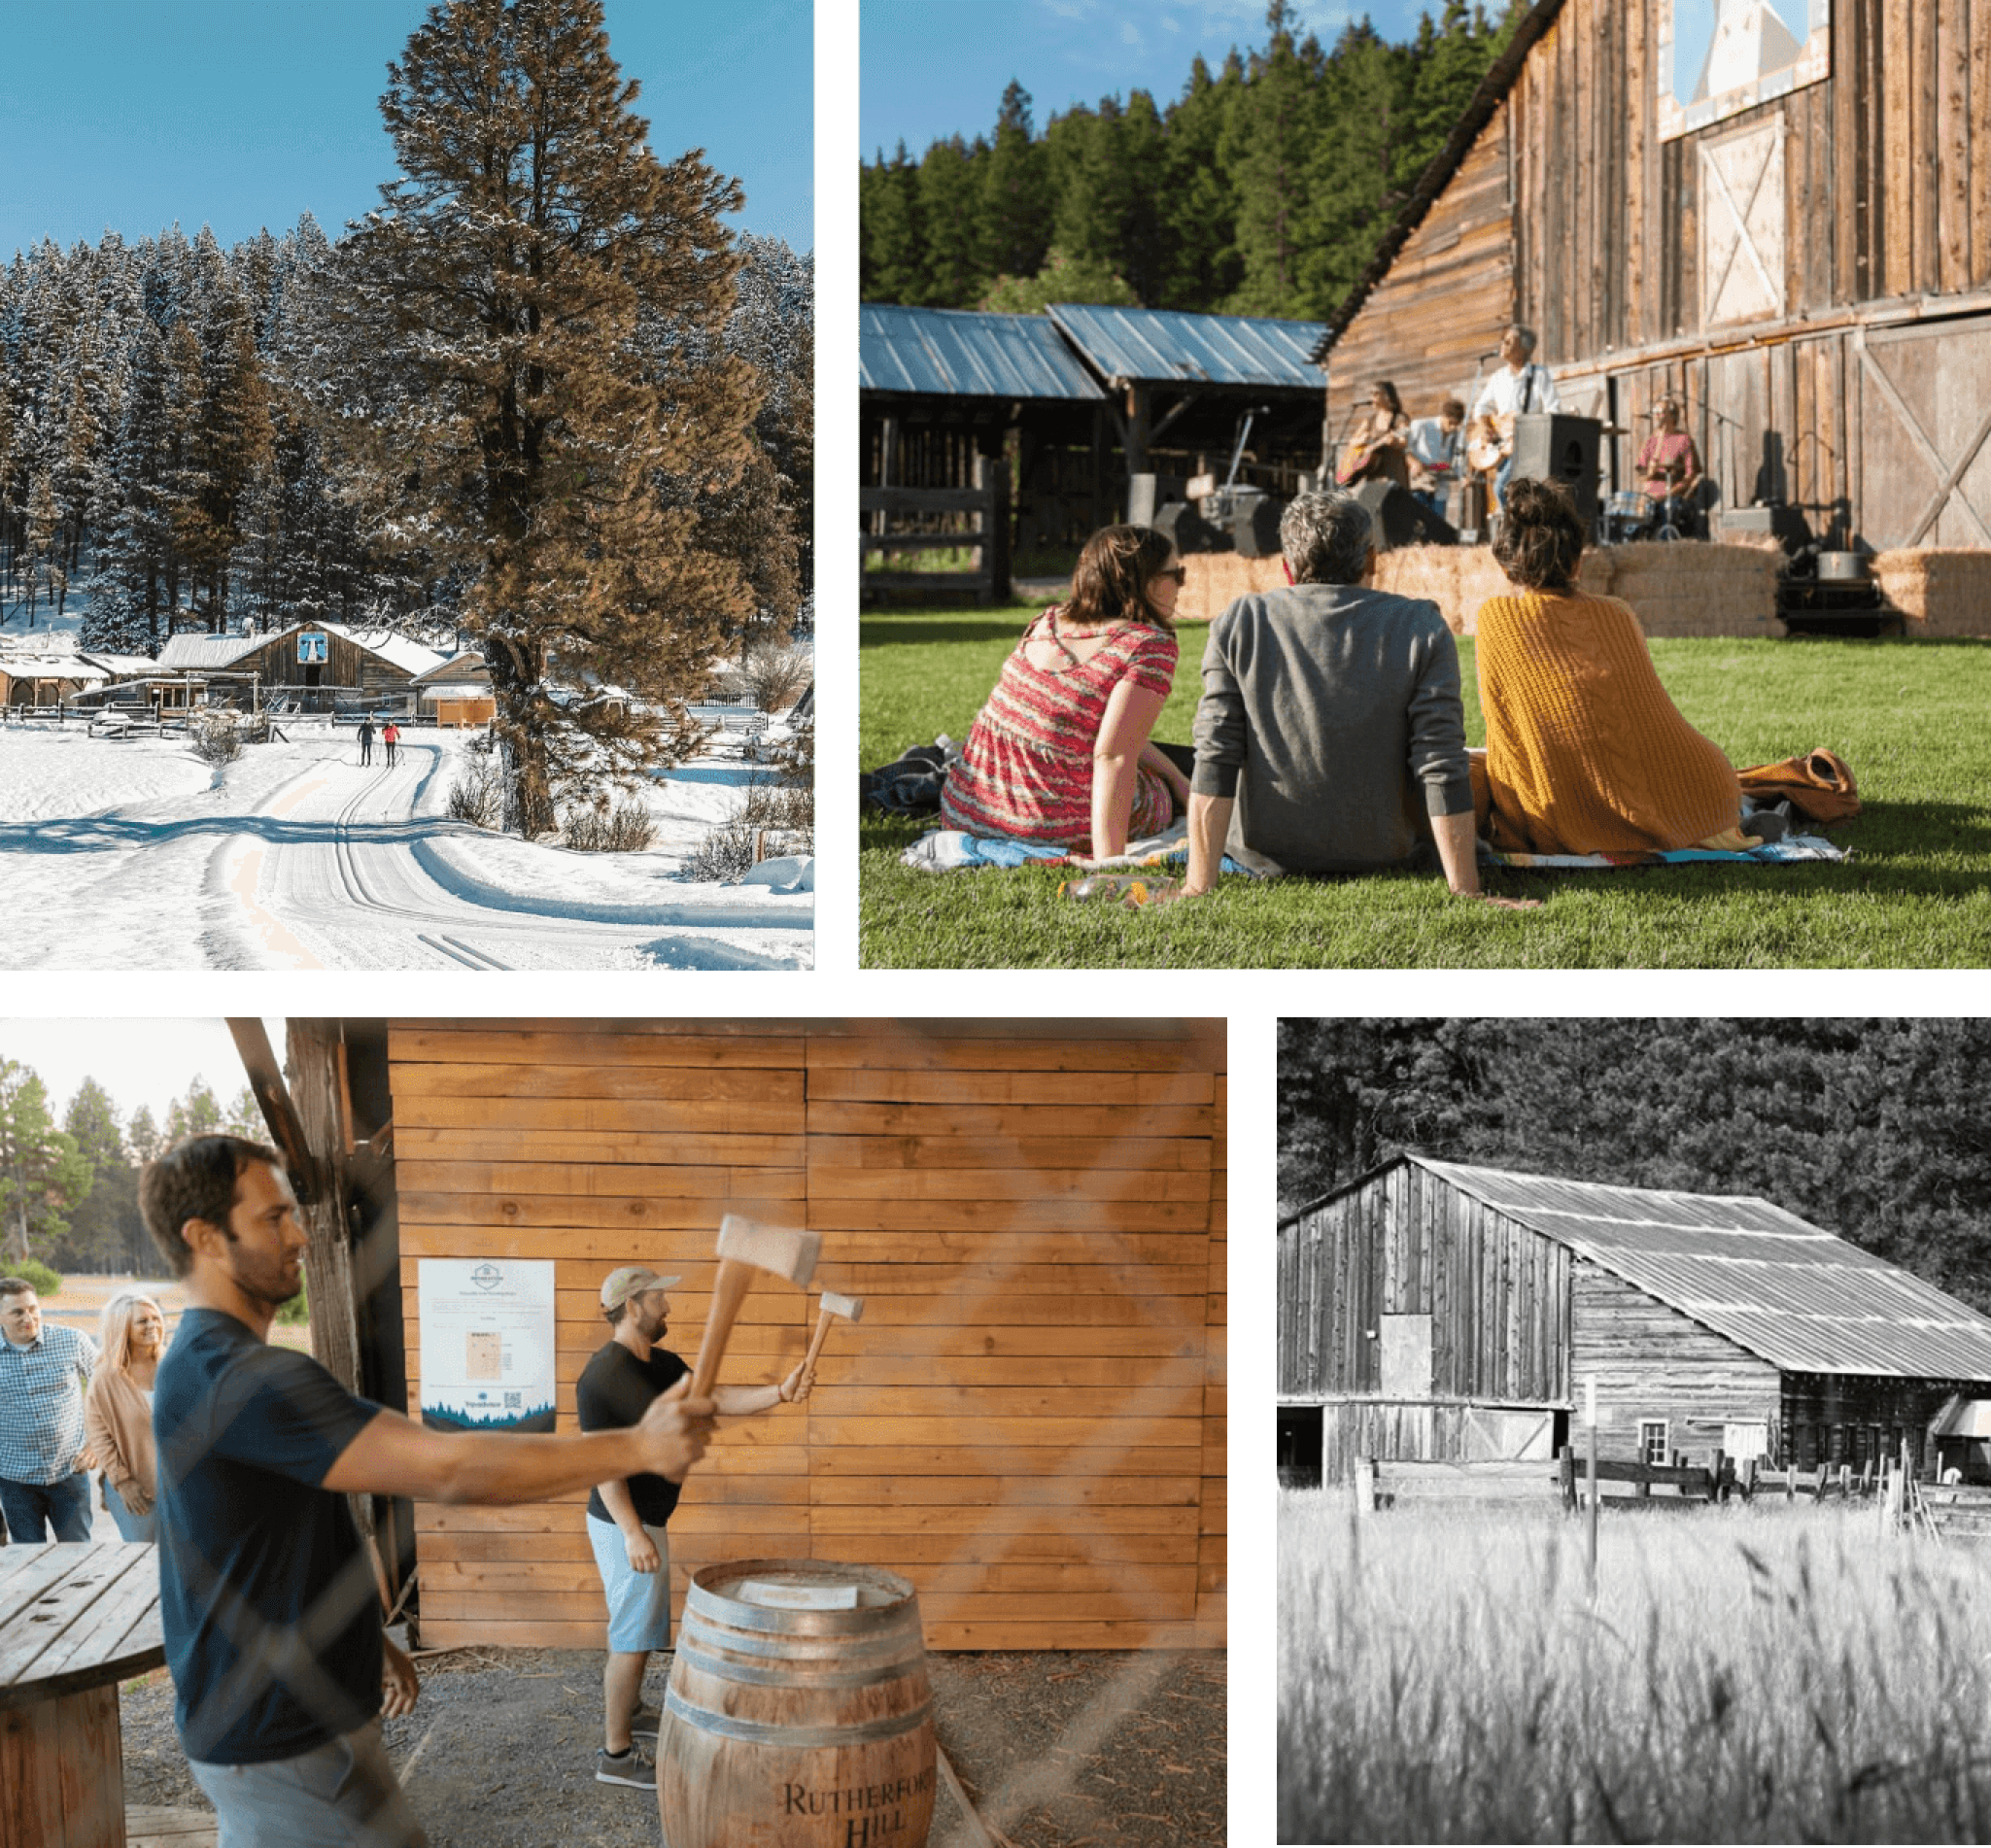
point(344, 1794)
point(639, 1602)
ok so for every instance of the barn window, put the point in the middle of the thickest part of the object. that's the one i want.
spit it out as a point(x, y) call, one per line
point(1653, 1447)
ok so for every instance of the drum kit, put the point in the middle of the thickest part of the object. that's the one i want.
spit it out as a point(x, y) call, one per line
point(1633, 514)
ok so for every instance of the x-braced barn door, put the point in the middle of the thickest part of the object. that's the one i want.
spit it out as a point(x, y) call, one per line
point(1925, 415)
point(1742, 226)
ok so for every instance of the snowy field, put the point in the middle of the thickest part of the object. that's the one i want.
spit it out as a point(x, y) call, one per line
point(134, 854)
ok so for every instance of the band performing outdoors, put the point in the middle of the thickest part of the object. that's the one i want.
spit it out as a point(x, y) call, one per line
point(1330, 735)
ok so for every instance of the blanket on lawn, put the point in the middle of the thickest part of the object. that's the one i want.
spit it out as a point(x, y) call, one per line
point(948, 849)
point(1788, 851)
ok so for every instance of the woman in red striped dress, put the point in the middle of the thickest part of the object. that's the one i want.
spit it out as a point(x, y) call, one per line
point(1060, 754)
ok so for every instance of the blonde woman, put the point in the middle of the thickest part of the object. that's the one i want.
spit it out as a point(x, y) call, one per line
point(117, 1411)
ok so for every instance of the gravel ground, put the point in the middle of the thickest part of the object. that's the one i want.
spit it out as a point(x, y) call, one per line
point(1054, 1750)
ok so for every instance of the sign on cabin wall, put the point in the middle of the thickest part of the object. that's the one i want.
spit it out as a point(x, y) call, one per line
point(1718, 57)
point(313, 648)
point(487, 1344)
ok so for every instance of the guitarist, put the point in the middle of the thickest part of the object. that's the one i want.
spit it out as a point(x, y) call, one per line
point(1375, 453)
point(1517, 389)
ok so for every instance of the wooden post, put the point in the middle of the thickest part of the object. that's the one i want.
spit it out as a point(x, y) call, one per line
point(1589, 1393)
point(995, 555)
point(1565, 1477)
point(1366, 1488)
point(1714, 1477)
point(1749, 1478)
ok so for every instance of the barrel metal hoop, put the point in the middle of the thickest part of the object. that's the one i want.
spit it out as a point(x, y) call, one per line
point(754, 1674)
point(798, 1738)
point(843, 1625)
point(800, 1649)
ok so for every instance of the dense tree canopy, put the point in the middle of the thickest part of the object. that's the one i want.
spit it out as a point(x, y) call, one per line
point(42, 1173)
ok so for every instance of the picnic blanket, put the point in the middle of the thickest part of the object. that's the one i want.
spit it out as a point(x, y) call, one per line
point(1789, 852)
point(949, 850)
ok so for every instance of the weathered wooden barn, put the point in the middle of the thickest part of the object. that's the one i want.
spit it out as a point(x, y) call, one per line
point(1433, 1312)
point(1799, 246)
point(1028, 1421)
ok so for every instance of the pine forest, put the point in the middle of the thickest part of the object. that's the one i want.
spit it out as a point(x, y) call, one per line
point(1260, 189)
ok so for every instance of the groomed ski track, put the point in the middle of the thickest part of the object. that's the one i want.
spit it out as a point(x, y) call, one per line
point(353, 877)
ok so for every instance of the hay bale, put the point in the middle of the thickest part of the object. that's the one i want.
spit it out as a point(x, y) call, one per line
point(1217, 579)
point(1939, 592)
point(1458, 579)
point(1690, 589)
point(1429, 571)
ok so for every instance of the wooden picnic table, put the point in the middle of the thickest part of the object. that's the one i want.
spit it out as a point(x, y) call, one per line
point(74, 1621)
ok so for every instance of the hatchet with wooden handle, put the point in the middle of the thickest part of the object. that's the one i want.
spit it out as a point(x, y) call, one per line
point(849, 1308)
point(745, 1246)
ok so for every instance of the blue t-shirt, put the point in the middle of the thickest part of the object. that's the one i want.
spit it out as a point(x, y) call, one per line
point(267, 1598)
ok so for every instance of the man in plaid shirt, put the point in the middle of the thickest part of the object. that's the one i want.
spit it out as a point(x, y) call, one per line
point(44, 1469)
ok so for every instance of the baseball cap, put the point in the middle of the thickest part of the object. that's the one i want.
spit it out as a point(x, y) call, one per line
point(618, 1287)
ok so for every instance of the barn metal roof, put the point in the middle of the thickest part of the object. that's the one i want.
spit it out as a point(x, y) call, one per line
point(183, 653)
point(955, 352)
point(1163, 344)
point(1792, 1292)
point(196, 653)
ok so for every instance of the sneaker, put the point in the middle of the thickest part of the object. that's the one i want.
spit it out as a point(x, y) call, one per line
point(635, 1768)
point(644, 1721)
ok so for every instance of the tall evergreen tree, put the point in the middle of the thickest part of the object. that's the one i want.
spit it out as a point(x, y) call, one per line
point(42, 1176)
point(505, 278)
point(1016, 191)
point(101, 1225)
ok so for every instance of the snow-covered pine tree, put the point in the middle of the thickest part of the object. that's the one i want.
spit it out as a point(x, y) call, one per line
point(499, 289)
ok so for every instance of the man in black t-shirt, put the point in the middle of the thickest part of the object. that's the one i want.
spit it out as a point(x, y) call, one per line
point(625, 1517)
point(272, 1623)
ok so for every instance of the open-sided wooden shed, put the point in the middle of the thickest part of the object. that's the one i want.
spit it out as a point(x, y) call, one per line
point(1028, 1421)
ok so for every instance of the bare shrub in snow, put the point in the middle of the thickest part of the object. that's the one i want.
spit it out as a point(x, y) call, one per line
point(627, 828)
point(724, 853)
point(216, 737)
point(477, 794)
point(775, 674)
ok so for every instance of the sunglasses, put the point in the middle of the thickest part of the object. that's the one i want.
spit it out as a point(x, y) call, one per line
point(1179, 573)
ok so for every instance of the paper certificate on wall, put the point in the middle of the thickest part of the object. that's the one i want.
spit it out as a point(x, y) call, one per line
point(1718, 57)
point(487, 1344)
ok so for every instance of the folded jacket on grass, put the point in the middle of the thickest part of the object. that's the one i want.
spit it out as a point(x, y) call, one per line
point(947, 851)
point(1792, 850)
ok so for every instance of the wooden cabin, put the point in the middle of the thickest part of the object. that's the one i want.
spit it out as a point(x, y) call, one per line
point(1434, 1312)
point(1804, 255)
point(47, 680)
point(306, 656)
point(1028, 1421)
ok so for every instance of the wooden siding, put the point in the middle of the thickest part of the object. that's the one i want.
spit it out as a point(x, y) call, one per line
point(1028, 1423)
point(1887, 220)
point(1427, 324)
point(1651, 1361)
point(1404, 1243)
point(348, 664)
point(1829, 1419)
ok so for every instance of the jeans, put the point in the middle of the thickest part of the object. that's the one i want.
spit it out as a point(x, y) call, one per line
point(132, 1526)
point(344, 1794)
point(63, 1506)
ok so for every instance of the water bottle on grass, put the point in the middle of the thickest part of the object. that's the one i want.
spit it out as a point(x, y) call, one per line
point(1110, 888)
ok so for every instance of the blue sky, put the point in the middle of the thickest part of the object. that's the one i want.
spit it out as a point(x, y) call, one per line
point(935, 67)
point(245, 113)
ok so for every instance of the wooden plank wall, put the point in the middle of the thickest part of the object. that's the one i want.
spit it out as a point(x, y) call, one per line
point(1406, 1243)
point(1447, 297)
point(1651, 1361)
point(1028, 1423)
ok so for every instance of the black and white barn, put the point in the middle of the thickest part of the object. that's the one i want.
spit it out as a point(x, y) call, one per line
point(1434, 1312)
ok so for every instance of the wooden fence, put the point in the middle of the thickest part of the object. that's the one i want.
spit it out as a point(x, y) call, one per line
point(1379, 1485)
point(897, 520)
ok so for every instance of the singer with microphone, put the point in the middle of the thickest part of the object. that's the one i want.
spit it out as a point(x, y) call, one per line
point(1517, 389)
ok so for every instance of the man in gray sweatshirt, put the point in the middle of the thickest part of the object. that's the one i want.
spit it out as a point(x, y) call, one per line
point(1330, 737)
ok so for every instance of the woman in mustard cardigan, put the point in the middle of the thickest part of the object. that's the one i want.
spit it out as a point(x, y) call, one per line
point(1586, 751)
point(117, 1410)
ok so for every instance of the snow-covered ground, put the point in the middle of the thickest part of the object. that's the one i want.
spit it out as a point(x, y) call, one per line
point(134, 854)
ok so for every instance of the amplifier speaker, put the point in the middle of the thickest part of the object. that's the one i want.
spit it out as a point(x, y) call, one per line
point(1551, 447)
point(1255, 527)
point(1183, 523)
point(1400, 518)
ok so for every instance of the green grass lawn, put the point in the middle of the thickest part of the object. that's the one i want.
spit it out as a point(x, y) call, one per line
point(1910, 717)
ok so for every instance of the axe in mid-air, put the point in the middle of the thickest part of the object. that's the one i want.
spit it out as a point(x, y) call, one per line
point(745, 1246)
point(848, 1307)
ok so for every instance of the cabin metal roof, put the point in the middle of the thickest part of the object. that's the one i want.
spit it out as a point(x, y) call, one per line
point(196, 653)
point(956, 353)
point(1163, 344)
point(1792, 1292)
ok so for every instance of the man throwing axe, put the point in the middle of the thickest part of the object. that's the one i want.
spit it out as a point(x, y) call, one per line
point(272, 1623)
point(627, 1515)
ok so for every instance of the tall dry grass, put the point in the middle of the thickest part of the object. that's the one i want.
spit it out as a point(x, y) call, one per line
point(1743, 1675)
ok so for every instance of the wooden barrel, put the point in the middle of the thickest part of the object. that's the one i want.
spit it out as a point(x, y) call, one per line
point(797, 1713)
